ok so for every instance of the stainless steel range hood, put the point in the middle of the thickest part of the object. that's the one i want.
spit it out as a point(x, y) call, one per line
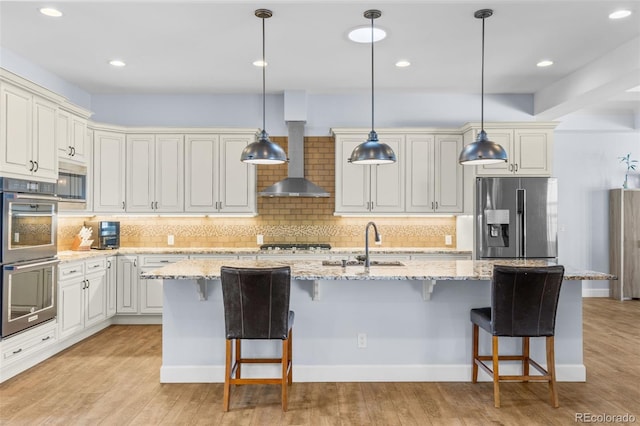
point(295, 185)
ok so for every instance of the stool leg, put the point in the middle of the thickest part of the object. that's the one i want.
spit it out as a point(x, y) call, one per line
point(496, 374)
point(227, 378)
point(290, 378)
point(525, 357)
point(474, 366)
point(551, 368)
point(238, 356)
point(285, 364)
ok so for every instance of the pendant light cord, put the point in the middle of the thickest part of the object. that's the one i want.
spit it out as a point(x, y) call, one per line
point(372, 80)
point(482, 82)
point(264, 65)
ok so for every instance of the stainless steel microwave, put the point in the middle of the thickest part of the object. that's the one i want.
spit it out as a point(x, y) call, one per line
point(72, 183)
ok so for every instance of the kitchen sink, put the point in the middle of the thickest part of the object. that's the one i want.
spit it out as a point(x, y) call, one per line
point(361, 263)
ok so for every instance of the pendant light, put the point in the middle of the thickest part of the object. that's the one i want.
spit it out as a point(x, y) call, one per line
point(372, 151)
point(263, 151)
point(482, 151)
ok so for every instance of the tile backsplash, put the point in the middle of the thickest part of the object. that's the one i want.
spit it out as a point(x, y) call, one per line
point(304, 220)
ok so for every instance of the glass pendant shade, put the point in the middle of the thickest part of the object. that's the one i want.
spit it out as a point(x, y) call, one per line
point(372, 152)
point(482, 151)
point(263, 151)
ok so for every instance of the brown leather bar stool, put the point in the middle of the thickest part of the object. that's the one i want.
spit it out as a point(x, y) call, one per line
point(256, 306)
point(524, 302)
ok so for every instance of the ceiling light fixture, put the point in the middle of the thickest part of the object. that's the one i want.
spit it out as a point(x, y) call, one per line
point(263, 151)
point(117, 63)
point(49, 11)
point(619, 14)
point(403, 64)
point(544, 63)
point(260, 63)
point(482, 151)
point(372, 151)
point(363, 34)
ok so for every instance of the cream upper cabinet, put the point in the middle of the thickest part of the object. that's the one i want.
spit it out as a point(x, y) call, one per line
point(215, 179)
point(155, 173)
point(529, 149)
point(434, 181)
point(108, 172)
point(73, 145)
point(28, 145)
point(369, 188)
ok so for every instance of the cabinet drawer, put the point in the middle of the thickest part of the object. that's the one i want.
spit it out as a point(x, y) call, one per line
point(161, 260)
point(71, 270)
point(95, 265)
point(28, 342)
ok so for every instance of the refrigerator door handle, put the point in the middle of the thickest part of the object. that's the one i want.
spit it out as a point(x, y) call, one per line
point(521, 217)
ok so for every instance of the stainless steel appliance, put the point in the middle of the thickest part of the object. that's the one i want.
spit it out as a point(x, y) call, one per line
point(28, 255)
point(106, 234)
point(516, 217)
point(72, 185)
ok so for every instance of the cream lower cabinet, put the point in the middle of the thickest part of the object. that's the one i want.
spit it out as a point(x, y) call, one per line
point(369, 188)
point(529, 148)
point(155, 176)
point(111, 277)
point(215, 179)
point(82, 296)
point(108, 172)
point(127, 282)
point(434, 179)
point(28, 145)
point(151, 290)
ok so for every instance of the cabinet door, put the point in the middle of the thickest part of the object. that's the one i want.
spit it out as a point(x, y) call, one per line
point(201, 173)
point(448, 182)
point(44, 149)
point(352, 180)
point(150, 294)
point(387, 180)
point(169, 173)
point(140, 194)
point(504, 138)
point(532, 154)
point(127, 285)
point(108, 172)
point(79, 141)
point(71, 306)
point(95, 298)
point(237, 182)
point(63, 129)
point(15, 130)
point(111, 285)
point(420, 173)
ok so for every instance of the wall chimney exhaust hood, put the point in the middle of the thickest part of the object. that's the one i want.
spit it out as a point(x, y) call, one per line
point(295, 185)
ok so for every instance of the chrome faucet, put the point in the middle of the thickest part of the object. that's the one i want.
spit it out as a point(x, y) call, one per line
point(366, 243)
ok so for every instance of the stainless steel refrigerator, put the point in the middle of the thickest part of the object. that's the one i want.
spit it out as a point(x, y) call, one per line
point(516, 217)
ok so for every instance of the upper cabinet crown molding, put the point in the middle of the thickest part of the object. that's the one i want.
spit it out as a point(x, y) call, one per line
point(158, 130)
point(23, 83)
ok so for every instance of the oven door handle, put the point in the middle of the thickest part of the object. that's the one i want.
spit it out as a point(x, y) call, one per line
point(30, 265)
point(33, 197)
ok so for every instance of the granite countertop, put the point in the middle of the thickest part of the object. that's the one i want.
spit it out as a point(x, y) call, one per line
point(195, 269)
point(70, 256)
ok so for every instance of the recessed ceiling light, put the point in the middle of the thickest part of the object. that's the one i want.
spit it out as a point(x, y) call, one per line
point(49, 11)
point(403, 64)
point(363, 34)
point(260, 63)
point(619, 14)
point(117, 63)
point(544, 63)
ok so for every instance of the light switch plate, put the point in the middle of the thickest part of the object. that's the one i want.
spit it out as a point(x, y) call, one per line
point(448, 240)
point(170, 240)
point(260, 239)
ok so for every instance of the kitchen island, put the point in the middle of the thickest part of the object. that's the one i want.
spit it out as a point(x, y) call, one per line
point(395, 323)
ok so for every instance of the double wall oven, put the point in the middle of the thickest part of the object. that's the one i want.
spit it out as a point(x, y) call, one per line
point(29, 253)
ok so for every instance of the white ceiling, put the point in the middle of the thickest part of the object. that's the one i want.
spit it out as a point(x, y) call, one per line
point(205, 46)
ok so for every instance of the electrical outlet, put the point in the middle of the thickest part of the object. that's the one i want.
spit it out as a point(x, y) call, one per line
point(170, 240)
point(16, 237)
point(362, 340)
point(448, 240)
point(260, 239)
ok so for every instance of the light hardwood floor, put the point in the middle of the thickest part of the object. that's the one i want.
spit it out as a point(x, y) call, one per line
point(112, 379)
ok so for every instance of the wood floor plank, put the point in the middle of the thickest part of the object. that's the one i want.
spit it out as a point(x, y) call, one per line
point(112, 378)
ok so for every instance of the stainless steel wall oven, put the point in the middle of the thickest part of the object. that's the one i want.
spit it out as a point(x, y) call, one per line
point(29, 254)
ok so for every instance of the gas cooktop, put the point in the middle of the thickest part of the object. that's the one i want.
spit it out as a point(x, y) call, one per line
point(295, 246)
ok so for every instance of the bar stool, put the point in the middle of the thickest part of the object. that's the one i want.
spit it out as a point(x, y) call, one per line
point(256, 306)
point(524, 302)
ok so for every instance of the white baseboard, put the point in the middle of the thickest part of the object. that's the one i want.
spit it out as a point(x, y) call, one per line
point(595, 292)
point(357, 373)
